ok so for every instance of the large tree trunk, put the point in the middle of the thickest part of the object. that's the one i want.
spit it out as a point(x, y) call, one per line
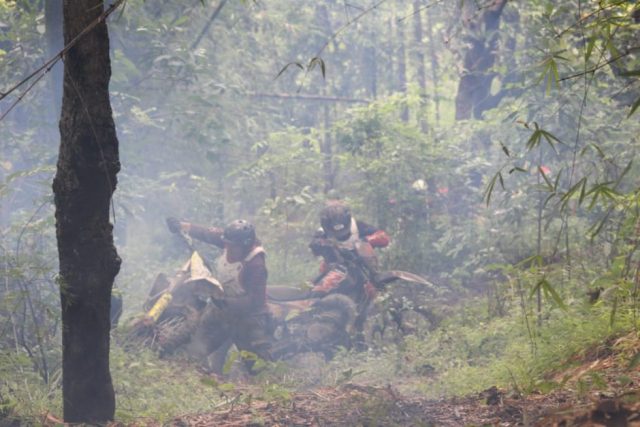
point(475, 83)
point(84, 183)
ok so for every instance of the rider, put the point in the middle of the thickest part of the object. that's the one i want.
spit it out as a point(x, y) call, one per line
point(340, 232)
point(241, 316)
point(344, 243)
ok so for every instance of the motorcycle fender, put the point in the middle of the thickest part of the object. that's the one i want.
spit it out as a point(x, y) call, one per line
point(159, 307)
point(393, 275)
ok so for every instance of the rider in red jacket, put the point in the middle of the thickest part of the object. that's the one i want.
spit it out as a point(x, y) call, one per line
point(349, 264)
point(341, 232)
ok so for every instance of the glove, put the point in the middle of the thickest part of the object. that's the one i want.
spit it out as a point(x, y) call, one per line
point(379, 239)
point(173, 224)
point(318, 244)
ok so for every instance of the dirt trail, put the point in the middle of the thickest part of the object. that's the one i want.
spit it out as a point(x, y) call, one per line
point(599, 387)
point(352, 405)
point(356, 405)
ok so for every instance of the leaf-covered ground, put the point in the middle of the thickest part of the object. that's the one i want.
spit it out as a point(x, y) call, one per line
point(353, 405)
point(599, 387)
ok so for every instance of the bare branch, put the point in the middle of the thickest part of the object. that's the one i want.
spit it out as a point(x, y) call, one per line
point(626, 52)
point(46, 67)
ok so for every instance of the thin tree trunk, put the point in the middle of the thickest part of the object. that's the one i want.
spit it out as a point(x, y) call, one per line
point(84, 183)
point(419, 64)
point(402, 67)
point(369, 61)
point(435, 82)
point(322, 16)
point(327, 153)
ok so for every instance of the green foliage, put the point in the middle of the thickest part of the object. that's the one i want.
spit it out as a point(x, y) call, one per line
point(150, 388)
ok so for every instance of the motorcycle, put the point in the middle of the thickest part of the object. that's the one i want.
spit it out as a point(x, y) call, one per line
point(358, 267)
point(175, 305)
point(301, 320)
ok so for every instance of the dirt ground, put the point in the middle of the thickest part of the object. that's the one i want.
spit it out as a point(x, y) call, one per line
point(355, 405)
point(600, 387)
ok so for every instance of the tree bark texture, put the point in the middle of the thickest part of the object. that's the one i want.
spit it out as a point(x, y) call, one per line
point(84, 183)
point(475, 84)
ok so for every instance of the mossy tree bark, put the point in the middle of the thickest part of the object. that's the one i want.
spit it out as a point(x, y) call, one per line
point(84, 183)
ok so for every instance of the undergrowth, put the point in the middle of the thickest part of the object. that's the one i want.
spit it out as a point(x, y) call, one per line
point(469, 352)
point(459, 359)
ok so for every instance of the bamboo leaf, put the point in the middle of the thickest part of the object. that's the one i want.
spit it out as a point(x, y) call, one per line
point(533, 140)
point(317, 61)
point(567, 196)
point(535, 289)
point(598, 149)
point(532, 260)
point(595, 230)
point(589, 49)
point(549, 136)
point(297, 64)
point(556, 76)
point(624, 172)
point(551, 196)
point(557, 181)
point(582, 190)
point(555, 297)
point(489, 191)
point(505, 149)
point(546, 178)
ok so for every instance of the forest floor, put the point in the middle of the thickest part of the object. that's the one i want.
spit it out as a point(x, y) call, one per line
point(599, 387)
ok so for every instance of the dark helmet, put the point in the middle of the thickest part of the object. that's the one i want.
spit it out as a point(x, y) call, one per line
point(335, 219)
point(241, 232)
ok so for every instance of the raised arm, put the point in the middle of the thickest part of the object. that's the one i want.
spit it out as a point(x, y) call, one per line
point(212, 235)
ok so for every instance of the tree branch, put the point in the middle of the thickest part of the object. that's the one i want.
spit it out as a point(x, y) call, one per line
point(301, 97)
point(205, 30)
point(627, 52)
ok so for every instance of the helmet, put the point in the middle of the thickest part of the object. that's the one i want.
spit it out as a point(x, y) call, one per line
point(241, 232)
point(335, 219)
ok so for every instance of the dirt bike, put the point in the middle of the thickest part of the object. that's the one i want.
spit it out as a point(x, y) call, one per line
point(175, 305)
point(350, 299)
